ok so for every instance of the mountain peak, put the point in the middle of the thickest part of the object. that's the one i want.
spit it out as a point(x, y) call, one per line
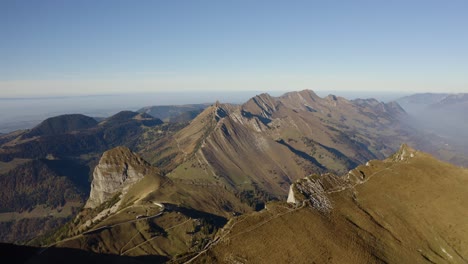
point(304, 95)
point(263, 105)
point(305, 92)
point(403, 154)
point(118, 169)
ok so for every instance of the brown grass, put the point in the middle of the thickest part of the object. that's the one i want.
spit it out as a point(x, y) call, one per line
point(412, 212)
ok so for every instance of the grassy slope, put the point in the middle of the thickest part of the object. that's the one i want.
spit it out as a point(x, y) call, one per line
point(407, 212)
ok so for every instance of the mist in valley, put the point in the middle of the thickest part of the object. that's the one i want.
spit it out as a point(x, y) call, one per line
point(429, 113)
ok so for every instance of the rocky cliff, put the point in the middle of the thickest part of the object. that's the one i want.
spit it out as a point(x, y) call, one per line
point(118, 169)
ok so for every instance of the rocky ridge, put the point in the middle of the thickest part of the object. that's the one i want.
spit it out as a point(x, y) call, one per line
point(315, 189)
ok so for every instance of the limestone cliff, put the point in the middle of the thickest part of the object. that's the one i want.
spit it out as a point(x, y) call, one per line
point(118, 169)
point(315, 190)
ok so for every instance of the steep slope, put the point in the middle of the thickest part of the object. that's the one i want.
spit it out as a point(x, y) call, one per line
point(269, 142)
point(409, 208)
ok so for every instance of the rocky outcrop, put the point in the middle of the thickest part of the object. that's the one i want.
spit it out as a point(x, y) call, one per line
point(118, 169)
point(403, 154)
point(315, 189)
point(291, 196)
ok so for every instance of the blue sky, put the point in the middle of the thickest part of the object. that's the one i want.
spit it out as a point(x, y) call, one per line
point(69, 47)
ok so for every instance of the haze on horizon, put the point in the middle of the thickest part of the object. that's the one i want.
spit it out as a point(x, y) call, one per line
point(55, 48)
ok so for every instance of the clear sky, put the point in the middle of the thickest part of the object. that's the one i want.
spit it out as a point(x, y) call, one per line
point(67, 47)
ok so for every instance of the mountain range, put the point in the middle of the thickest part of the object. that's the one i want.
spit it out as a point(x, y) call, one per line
point(193, 187)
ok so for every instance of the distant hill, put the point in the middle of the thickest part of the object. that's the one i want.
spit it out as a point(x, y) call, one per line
point(62, 124)
point(441, 114)
point(123, 128)
point(434, 101)
point(452, 101)
point(174, 113)
point(422, 99)
point(126, 116)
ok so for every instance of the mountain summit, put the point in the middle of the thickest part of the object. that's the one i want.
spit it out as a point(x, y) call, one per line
point(118, 169)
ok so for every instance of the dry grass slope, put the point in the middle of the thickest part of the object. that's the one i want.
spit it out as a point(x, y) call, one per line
point(410, 208)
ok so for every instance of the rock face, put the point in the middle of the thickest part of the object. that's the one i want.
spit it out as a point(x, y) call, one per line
point(118, 169)
point(291, 196)
point(315, 189)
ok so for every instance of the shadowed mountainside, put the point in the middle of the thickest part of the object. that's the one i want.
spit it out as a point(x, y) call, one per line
point(34, 255)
